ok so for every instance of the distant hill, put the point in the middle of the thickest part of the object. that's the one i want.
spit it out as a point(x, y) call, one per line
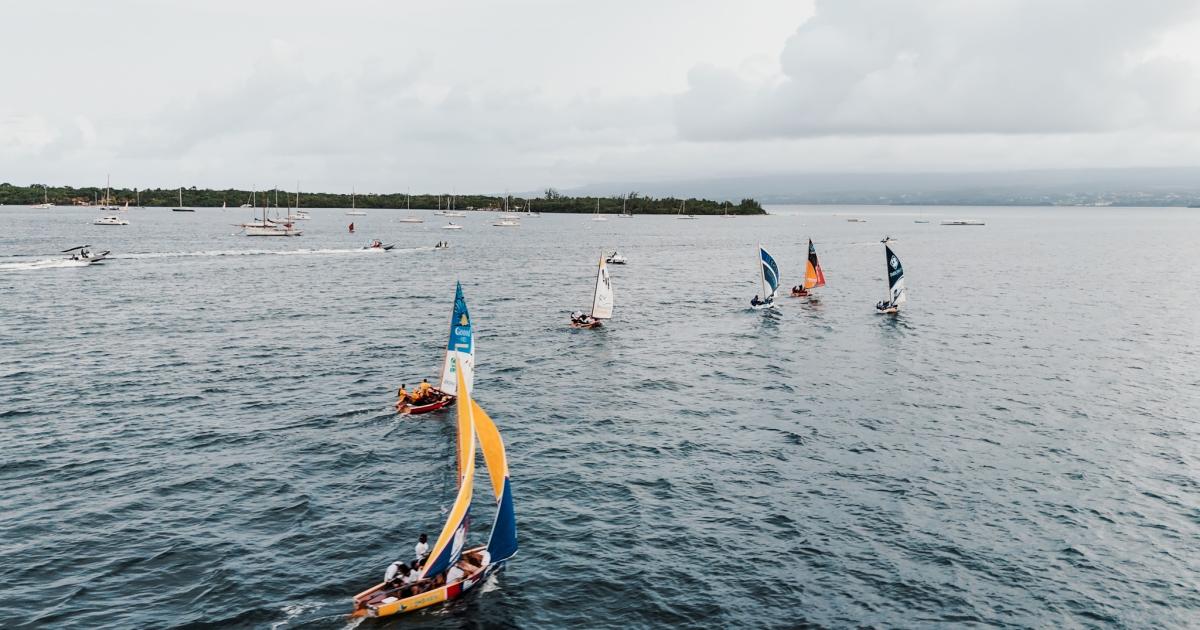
point(1118, 187)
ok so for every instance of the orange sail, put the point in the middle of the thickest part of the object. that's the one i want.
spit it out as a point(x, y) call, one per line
point(813, 276)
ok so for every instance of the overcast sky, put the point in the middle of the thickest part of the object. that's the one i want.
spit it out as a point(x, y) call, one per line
point(487, 96)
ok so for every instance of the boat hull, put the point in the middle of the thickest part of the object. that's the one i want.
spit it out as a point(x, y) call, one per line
point(444, 400)
point(370, 603)
point(891, 310)
point(800, 293)
point(591, 324)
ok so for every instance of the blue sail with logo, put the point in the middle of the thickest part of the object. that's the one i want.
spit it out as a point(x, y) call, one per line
point(896, 293)
point(460, 349)
point(770, 273)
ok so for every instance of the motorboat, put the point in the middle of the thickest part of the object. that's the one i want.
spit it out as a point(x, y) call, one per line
point(85, 255)
point(964, 222)
point(442, 245)
point(380, 246)
point(452, 226)
point(615, 259)
point(503, 222)
point(110, 219)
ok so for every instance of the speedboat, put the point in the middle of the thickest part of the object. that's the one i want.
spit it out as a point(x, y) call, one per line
point(85, 255)
point(442, 245)
point(615, 259)
point(379, 245)
point(110, 219)
point(507, 223)
point(452, 226)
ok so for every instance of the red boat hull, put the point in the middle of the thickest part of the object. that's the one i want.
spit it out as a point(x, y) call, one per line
point(444, 400)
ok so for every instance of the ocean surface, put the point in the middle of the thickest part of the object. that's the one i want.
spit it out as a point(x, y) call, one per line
point(198, 433)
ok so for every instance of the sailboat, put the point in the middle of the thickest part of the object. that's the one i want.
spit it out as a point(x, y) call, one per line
point(412, 218)
point(681, 215)
point(300, 215)
point(727, 215)
point(813, 276)
point(267, 227)
point(460, 353)
point(895, 271)
point(768, 273)
point(598, 216)
point(625, 214)
point(448, 557)
point(602, 300)
point(108, 195)
point(180, 207)
point(354, 211)
point(45, 200)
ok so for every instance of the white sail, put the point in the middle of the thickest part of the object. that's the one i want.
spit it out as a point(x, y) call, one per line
point(602, 302)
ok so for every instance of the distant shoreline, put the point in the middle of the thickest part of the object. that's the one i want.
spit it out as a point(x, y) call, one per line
point(551, 202)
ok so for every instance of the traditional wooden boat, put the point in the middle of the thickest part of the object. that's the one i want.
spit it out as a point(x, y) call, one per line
point(813, 275)
point(895, 272)
point(475, 563)
point(768, 273)
point(460, 347)
point(602, 300)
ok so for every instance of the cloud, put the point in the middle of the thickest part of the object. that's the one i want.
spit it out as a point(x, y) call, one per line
point(882, 67)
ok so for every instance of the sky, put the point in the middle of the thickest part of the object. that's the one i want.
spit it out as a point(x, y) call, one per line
point(520, 95)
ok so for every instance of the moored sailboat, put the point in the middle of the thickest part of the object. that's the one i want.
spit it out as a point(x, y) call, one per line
point(813, 275)
point(768, 273)
point(895, 271)
point(451, 570)
point(460, 356)
point(602, 300)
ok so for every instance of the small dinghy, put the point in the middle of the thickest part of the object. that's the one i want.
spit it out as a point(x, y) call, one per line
point(895, 273)
point(459, 348)
point(452, 568)
point(602, 301)
point(83, 254)
point(769, 275)
point(813, 276)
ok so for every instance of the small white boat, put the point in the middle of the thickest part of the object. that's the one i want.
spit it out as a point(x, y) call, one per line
point(354, 211)
point(45, 200)
point(895, 273)
point(110, 219)
point(507, 223)
point(83, 254)
point(964, 222)
point(411, 219)
point(768, 273)
point(856, 220)
point(452, 226)
point(180, 207)
point(615, 259)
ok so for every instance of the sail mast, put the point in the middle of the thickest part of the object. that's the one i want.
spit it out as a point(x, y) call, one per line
point(762, 274)
point(599, 272)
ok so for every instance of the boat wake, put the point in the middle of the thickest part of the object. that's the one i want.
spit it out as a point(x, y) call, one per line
point(256, 252)
point(44, 263)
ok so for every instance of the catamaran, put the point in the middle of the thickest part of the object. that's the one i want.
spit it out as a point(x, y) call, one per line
point(768, 273)
point(460, 352)
point(602, 300)
point(813, 276)
point(895, 271)
point(452, 569)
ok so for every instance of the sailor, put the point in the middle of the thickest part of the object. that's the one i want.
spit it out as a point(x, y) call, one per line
point(421, 549)
point(423, 391)
point(754, 301)
point(396, 570)
point(401, 397)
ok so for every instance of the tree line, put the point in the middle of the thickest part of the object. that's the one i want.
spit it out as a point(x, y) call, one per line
point(550, 201)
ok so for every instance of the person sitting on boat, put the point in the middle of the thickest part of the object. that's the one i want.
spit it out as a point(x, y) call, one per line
point(754, 301)
point(424, 391)
point(421, 549)
point(883, 306)
point(396, 573)
point(402, 397)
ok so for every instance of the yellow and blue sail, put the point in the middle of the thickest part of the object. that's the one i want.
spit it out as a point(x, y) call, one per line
point(460, 348)
point(770, 271)
point(502, 543)
point(452, 539)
